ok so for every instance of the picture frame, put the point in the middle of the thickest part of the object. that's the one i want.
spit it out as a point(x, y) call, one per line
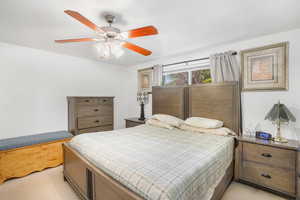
point(265, 68)
point(145, 80)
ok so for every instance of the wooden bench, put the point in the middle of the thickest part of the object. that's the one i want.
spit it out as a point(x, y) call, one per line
point(23, 155)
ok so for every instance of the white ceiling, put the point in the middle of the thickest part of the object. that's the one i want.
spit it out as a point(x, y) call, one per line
point(183, 25)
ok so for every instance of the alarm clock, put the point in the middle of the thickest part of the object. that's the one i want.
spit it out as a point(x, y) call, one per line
point(263, 135)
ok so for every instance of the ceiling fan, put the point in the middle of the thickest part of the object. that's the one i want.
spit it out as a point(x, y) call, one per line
point(110, 39)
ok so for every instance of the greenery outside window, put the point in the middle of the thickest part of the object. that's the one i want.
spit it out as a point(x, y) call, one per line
point(180, 78)
point(201, 76)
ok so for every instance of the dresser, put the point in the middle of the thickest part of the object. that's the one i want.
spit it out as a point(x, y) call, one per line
point(269, 165)
point(132, 122)
point(90, 114)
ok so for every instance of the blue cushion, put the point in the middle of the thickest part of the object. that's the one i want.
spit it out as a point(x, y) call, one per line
point(12, 143)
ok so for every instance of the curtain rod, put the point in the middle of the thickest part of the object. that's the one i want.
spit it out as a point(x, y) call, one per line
point(187, 61)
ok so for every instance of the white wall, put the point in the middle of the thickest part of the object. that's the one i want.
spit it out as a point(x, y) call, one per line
point(255, 104)
point(34, 85)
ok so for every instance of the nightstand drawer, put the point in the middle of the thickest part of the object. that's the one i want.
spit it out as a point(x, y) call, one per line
point(134, 121)
point(276, 157)
point(132, 124)
point(273, 178)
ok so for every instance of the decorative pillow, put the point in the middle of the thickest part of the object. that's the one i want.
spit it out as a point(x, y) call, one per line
point(157, 123)
point(203, 122)
point(216, 131)
point(171, 120)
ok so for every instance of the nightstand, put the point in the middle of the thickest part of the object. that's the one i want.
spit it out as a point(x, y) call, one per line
point(132, 122)
point(268, 165)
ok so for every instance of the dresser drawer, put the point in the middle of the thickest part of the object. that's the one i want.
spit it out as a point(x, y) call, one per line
point(298, 163)
point(298, 187)
point(105, 101)
point(269, 155)
point(271, 177)
point(104, 110)
point(86, 101)
point(96, 129)
point(89, 122)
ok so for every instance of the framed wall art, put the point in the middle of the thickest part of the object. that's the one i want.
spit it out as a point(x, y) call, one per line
point(145, 79)
point(265, 68)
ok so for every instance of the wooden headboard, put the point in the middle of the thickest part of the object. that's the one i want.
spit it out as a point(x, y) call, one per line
point(169, 100)
point(215, 101)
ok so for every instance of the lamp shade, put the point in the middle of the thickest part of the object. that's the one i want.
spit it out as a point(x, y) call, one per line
point(280, 112)
point(142, 97)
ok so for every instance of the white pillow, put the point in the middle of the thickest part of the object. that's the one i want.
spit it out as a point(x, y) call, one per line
point(171, 120)
point(203, 122)
point(223, 131)
point(157, 123)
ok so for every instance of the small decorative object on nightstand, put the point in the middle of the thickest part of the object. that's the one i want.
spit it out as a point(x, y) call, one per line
point(280, 114)
point(132, 122)
point(267, 164)
point(142, 98)
point(263, 135)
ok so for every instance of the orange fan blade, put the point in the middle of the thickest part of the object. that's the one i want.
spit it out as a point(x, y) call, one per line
point(144, 31)
point(137, 49)
point(76, 40)
point(83, 20)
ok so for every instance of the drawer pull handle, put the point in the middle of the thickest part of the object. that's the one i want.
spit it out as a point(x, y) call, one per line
point(266, 176)
point(87, 100)
point(267, 155)
point(96, 110)
point(104, 100)
point(97, 121)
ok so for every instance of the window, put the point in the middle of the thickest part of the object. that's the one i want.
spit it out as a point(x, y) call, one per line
point(187, 74)
point(201, 76)
point(180, 78)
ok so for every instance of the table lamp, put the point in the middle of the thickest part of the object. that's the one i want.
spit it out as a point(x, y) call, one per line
point(280, 114)
point(142, 98)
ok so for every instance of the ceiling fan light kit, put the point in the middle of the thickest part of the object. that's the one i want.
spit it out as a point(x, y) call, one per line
point(110, 40)
point(107, 50)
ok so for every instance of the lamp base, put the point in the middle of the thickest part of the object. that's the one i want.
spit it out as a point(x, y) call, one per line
point(142, 116)
point(280, 139)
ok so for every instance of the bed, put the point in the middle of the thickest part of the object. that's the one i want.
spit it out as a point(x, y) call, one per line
point(147, 162)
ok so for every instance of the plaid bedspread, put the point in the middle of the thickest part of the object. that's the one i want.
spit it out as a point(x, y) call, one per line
point(157, 163)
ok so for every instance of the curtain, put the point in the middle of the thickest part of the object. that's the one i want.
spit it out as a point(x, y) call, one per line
point(224, 67)
point(157, 75)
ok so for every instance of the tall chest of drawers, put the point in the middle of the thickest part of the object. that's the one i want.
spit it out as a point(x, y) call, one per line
point(90, 114)
point(268, 164)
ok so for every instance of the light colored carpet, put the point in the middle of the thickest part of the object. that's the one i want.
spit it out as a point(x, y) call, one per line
point(49, 185)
